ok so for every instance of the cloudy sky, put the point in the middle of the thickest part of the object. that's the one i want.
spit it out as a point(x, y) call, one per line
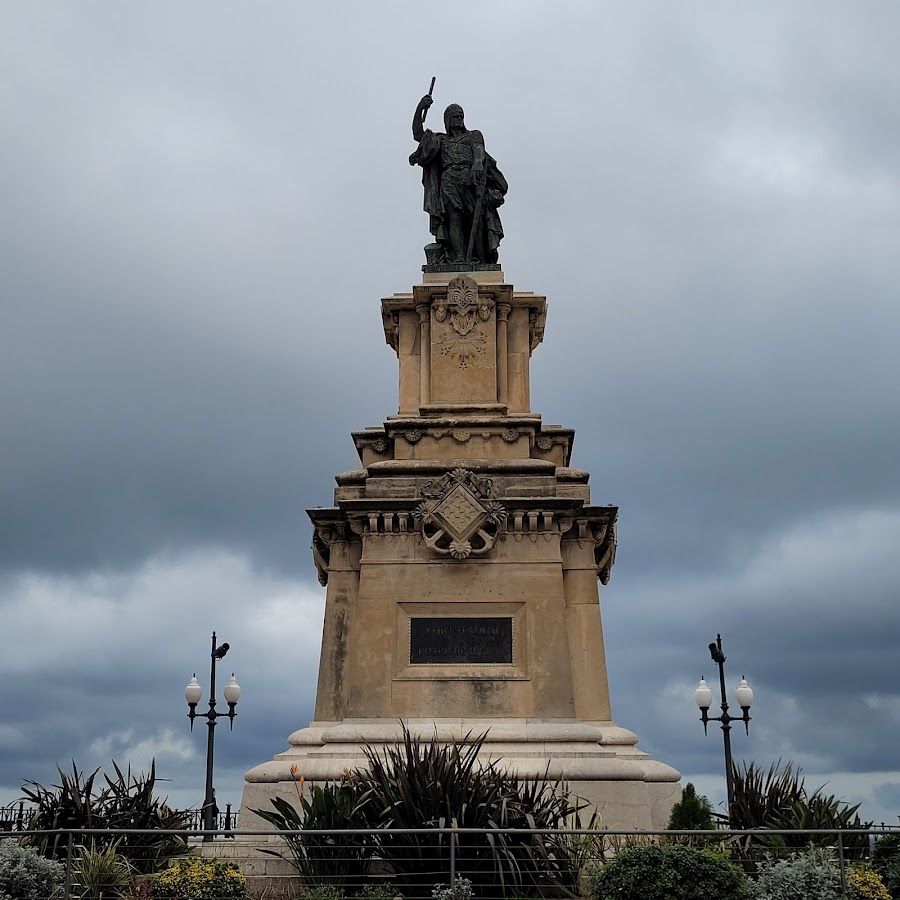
point(204, 203)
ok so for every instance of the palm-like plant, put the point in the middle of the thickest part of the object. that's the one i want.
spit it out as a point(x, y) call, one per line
point(71, 804)
point(412, 790)
point(762, 796)
point(130, 801)
point(100, 873)
point(428, 785)
point(777, 798)
point(79, 804)
point(320, 856)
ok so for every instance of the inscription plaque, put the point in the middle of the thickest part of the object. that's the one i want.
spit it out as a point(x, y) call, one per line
point(457, 639)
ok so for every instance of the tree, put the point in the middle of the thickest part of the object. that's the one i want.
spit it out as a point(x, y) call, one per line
point(691, 812)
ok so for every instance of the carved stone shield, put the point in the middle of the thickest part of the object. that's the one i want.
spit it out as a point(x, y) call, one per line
point(457, 516)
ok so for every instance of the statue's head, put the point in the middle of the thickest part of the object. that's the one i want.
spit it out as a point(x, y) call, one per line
point(453, 117)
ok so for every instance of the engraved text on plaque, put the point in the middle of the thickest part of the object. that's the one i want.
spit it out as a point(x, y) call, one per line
point(455, 639)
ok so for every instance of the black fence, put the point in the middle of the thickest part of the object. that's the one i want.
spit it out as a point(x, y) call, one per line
point(16, 817)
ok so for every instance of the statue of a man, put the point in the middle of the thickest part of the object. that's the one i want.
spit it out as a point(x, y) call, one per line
point(463, 189)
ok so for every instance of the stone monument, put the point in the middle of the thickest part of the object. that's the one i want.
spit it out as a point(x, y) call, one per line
point(462, 560)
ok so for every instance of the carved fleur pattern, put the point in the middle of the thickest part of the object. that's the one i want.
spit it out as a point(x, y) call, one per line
point(464, 337)
point(461, 436)
point(462, 291)
point(511, 435)
point(545, 443)
point(413, 436)
point(380, 445)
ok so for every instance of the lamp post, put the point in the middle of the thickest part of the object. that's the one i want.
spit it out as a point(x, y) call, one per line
point(192, 694)
point(743, 695)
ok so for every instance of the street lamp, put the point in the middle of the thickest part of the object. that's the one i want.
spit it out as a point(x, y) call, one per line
point(192, 694)
point(744, 696)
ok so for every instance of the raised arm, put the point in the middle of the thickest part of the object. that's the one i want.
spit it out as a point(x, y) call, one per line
point(418, 128)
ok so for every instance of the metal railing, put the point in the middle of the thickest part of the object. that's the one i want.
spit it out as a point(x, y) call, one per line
point(225, 821)
point(15, 817)
point(412, 861)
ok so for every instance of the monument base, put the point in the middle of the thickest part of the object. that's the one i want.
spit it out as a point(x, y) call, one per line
point(597, 761)
point(462, 564)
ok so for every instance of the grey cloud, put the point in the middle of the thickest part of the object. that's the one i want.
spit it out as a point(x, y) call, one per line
point(203, 207)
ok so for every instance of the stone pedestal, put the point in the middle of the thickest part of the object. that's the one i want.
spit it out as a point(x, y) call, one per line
point(462, 563)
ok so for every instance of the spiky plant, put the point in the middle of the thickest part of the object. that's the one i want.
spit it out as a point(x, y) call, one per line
point(321, 857)
point(130, 802)
point(79, 804)
point(431, 785)
point(412, 790)
point(777, 798)
point(100, 873)
point(71, 804)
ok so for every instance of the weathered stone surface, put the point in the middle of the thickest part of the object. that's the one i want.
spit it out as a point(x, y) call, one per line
point(466, 510)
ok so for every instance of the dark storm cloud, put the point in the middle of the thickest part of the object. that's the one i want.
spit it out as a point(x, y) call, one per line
point(202, 207)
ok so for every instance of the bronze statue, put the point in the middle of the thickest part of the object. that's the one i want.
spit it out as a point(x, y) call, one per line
point(463, 190)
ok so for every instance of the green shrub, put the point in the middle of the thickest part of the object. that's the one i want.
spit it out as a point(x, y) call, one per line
point(459, 889)
point(321, 892)
point(691, 812)
point(864, 883)
point(27, 875)
point(100, 872)
point(804, 875)
point(377, 892)
point(668, 872)
point(886, 862)
point(78, 803)
point(200, 879)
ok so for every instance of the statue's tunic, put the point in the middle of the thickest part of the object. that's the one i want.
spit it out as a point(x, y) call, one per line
point(457, 155)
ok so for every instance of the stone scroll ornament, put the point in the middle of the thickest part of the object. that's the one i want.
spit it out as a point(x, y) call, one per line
point(605, 550)
point(324, 536)
point(457, 516)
